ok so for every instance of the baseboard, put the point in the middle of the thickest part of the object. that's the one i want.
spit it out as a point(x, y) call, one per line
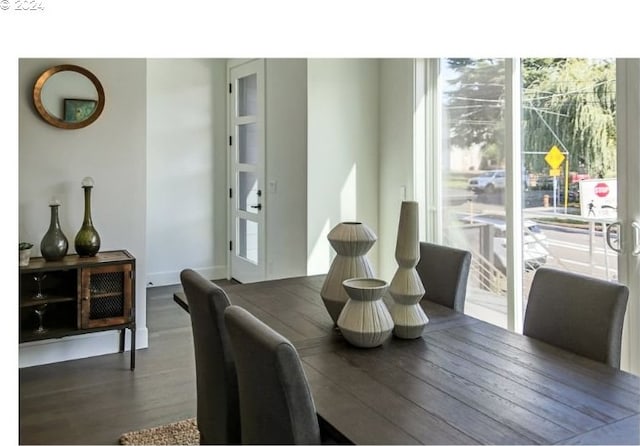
point(87, 345)
point(173, 277)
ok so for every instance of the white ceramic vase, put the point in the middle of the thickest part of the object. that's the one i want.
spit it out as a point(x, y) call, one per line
point(24, 257)
point(406, 288)
point(351, 241)
point(365, 320)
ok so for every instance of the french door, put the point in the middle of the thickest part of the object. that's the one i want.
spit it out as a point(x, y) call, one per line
point(518, 118)
point(247, 171)
point(628, 115)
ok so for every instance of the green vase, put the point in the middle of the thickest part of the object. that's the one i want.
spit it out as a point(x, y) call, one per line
point(87, 242)
point(54, 244)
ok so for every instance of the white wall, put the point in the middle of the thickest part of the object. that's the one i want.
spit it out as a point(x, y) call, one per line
point(338, 140)
point(186, 168)
point(342, 172)
point(396, 154)
point(286, 167)
point(53, 161)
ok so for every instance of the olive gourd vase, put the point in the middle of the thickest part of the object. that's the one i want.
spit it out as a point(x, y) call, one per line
point(87, 241)
point(54, 245)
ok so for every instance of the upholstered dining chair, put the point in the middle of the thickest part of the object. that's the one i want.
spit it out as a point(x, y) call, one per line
point(444, 272)
point(218, 412)
point(276, 405)
point(578, 313)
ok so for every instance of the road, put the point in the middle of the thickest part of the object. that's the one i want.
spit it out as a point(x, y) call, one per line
point(569, 250)
point(572, 250)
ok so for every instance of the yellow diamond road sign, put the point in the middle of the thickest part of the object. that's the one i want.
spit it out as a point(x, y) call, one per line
point(554, 157)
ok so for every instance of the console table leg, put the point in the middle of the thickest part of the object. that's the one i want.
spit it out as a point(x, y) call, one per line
point(122, 336)
point(133, 348)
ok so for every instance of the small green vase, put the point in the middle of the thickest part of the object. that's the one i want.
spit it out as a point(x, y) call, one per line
point(87, 242)
point(54, 244)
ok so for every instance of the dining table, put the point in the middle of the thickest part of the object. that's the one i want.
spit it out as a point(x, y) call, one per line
point(464, 381)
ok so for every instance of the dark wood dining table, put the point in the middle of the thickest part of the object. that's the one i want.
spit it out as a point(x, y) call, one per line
point(465, 381)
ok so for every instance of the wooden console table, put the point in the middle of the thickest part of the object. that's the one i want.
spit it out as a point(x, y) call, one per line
point(77, 295)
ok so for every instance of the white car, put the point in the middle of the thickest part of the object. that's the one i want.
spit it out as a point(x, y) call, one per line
point(487, 182)
point(535, 243)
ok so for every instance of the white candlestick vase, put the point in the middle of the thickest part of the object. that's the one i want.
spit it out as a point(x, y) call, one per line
point(406, 288)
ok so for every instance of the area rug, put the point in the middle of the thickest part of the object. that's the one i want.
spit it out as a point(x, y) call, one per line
point(180, 432)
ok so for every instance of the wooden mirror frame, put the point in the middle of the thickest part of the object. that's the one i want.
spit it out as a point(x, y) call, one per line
point(54, 120)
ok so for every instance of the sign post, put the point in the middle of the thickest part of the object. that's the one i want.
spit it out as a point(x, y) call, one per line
point(554, 159)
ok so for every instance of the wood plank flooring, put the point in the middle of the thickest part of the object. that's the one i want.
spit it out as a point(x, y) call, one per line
point(95, 400)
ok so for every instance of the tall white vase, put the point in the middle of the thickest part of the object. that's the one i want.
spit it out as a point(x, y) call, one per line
point(351, 241)
point(406, 288)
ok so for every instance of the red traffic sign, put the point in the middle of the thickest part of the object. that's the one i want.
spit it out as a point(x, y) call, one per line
point(601, 189)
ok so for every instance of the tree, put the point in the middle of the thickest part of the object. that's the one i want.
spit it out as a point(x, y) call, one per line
point(474, 104)
point(572, 105)
point(566, 102)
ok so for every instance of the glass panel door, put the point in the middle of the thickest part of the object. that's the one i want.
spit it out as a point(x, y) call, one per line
point(628, 230)
point(473, 166)
point(573, 192)
point(246, 118)
point(568, 171)
point(569, 156)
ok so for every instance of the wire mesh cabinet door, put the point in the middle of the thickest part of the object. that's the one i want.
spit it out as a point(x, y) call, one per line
point(106, 295)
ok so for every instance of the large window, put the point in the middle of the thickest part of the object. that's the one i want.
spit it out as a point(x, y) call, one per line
point(566, 169)
point(473, 125)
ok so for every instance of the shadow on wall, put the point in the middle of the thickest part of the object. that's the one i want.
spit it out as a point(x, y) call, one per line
point(342, 208)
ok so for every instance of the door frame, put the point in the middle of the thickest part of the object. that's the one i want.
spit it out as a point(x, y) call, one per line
point(628, 174)
point(257, 66)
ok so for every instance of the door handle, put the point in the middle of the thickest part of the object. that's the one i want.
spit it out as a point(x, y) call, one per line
point(608, 238)
point(636, 238)
point(257, 206)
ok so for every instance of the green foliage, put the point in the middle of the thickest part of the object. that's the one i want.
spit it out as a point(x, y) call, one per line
point(572, 105)
point(475, 103)
point(569, 103)
point(536, 69)
point(25, 245)
point(492, 157)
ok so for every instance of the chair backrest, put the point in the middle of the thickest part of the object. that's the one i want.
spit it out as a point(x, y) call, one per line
point(276, 405)
point(218, 412)
point(578, 313)
point(444, 272)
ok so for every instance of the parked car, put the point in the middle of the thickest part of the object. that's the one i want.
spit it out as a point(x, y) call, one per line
point(573, 194)
point(535, 243)
point(487, 182)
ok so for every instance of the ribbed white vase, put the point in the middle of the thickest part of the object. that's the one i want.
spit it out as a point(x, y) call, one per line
point(406, 288)
point(365, 320)
point(351, 241)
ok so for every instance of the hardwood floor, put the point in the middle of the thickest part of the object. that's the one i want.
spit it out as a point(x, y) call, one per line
point(95, 400)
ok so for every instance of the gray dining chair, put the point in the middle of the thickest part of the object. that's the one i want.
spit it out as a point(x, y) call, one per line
point(218, 412)
point(444, 272)
point(276, 405)
point(578, 313)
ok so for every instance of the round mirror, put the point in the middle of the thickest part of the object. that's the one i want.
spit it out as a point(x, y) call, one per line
point(68, 96)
